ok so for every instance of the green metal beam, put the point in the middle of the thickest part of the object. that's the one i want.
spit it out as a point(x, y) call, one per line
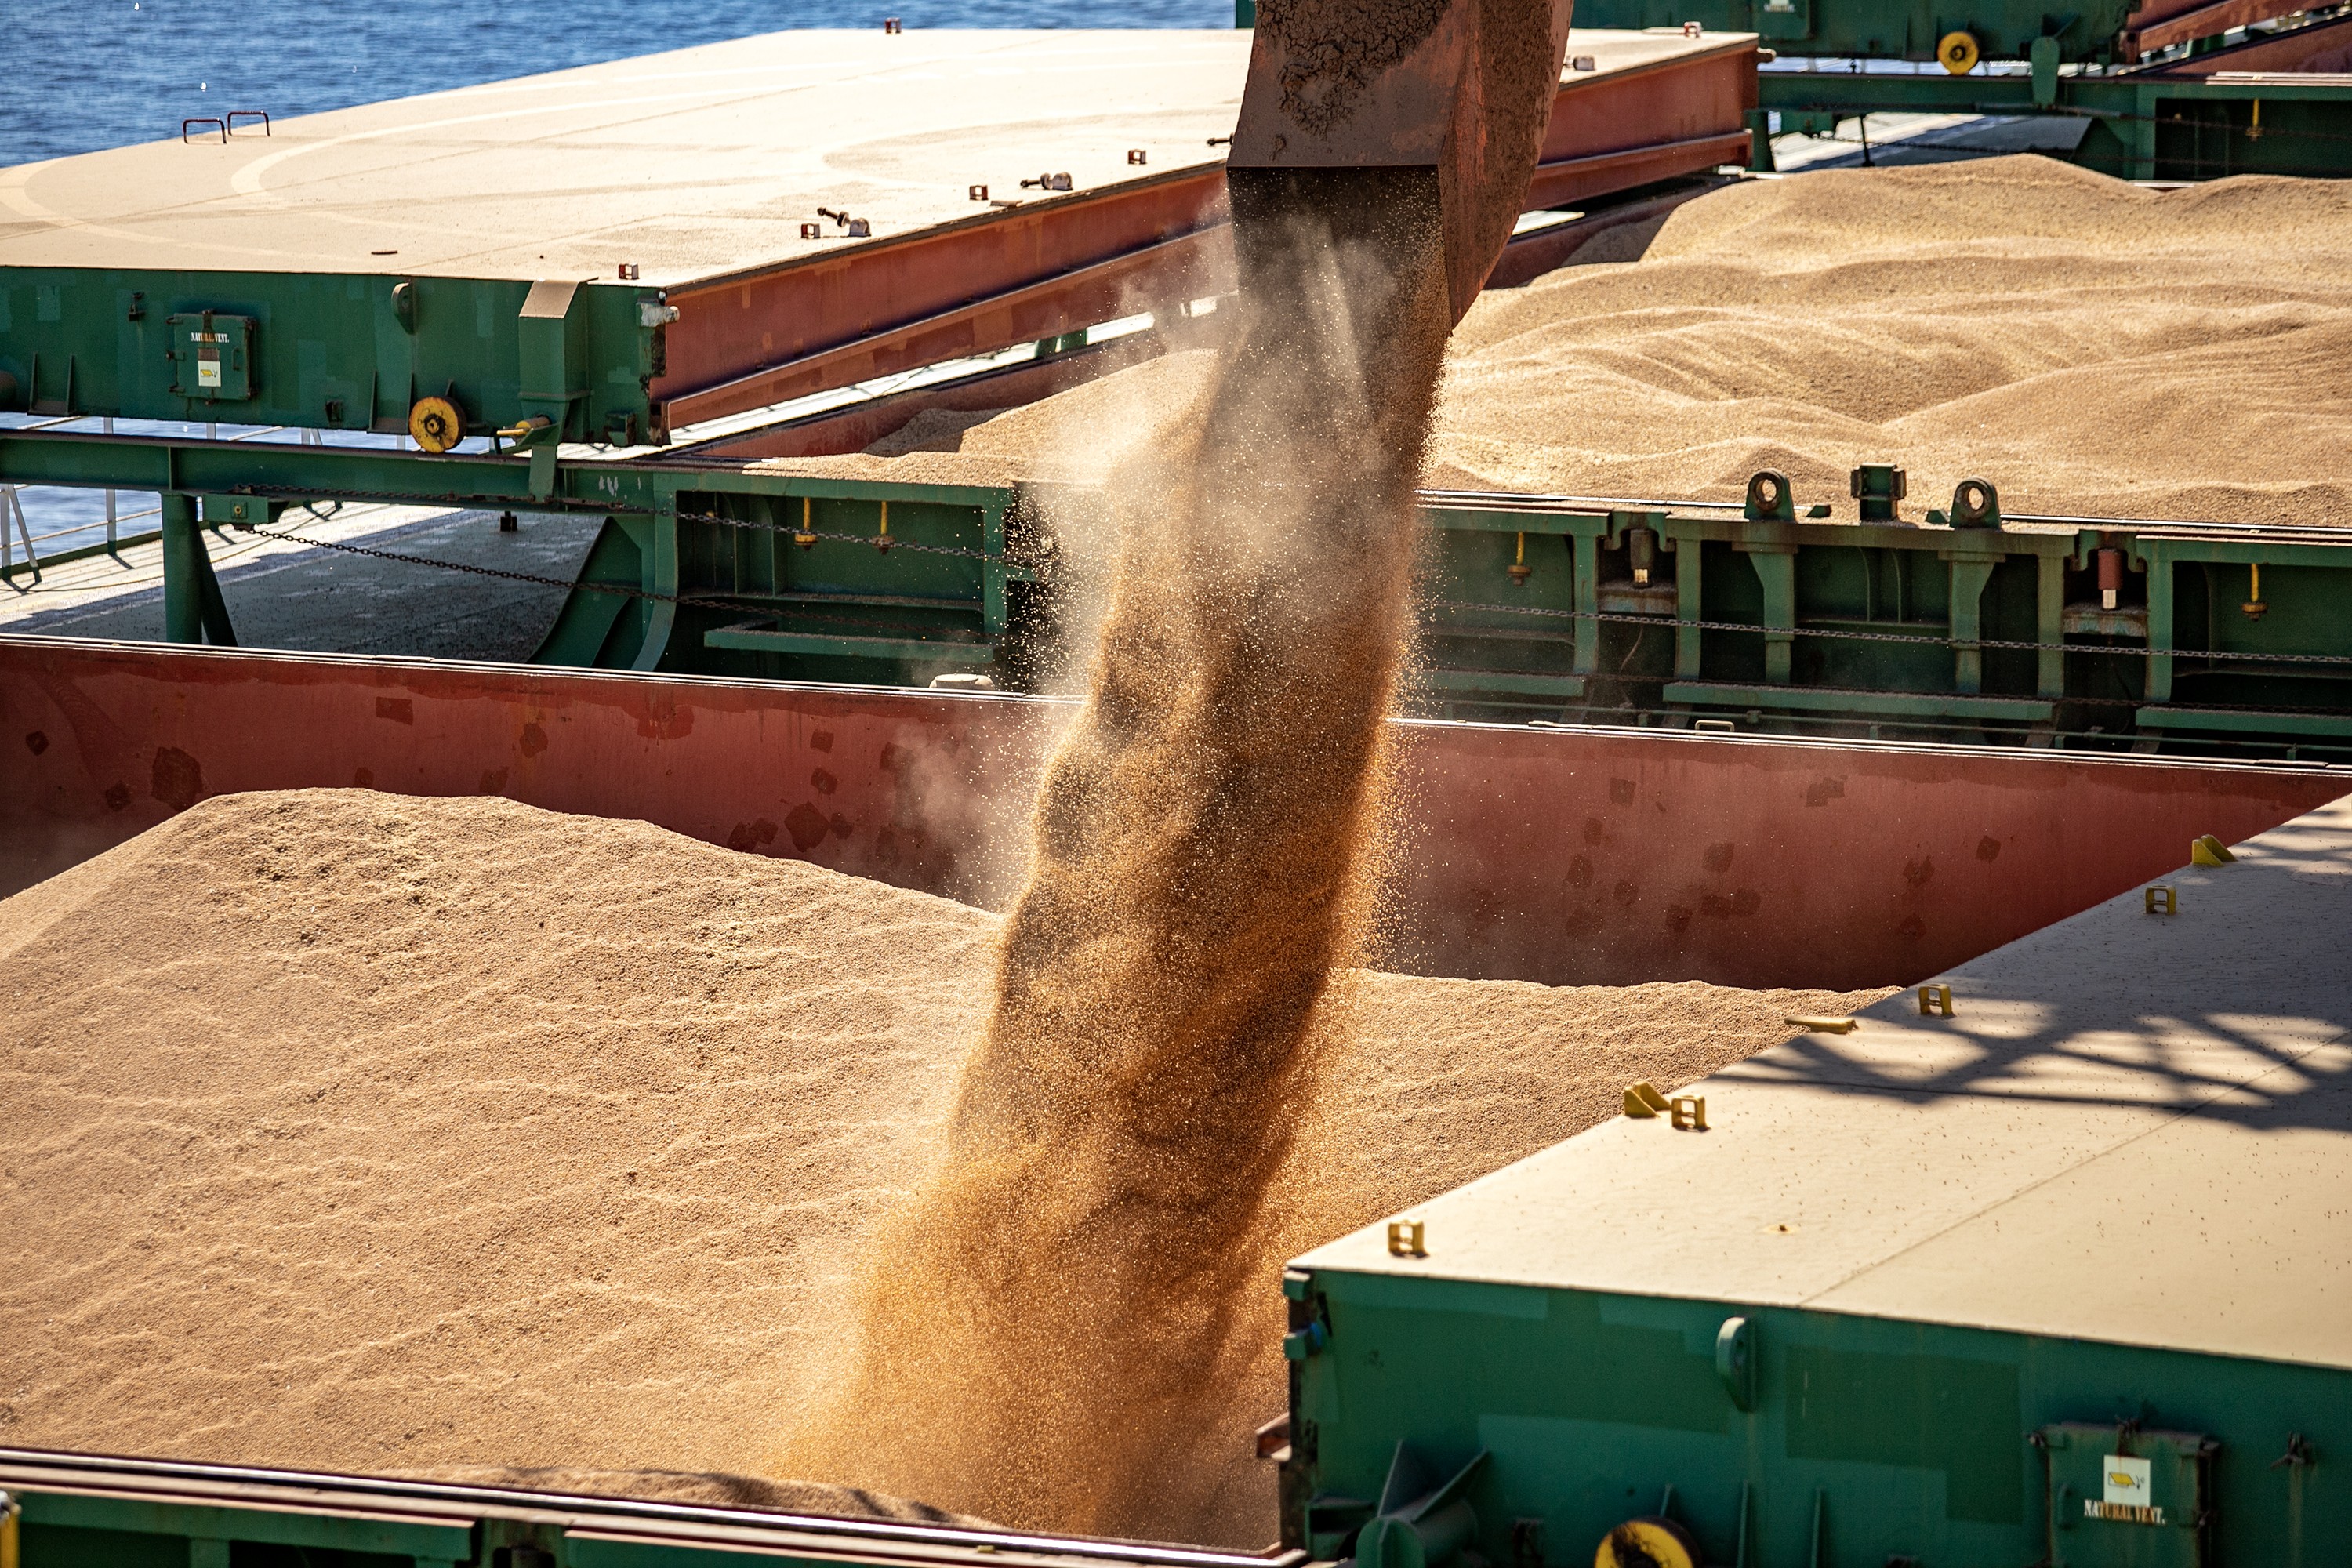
point(2243, 722)
point(432, 1541)
point(289, 472)
point(1689, 601)
point(1829, 699)
point(1970, 575)
point(2050, 625)
point(764, 640)
point(1775, 569)
point(194, 609)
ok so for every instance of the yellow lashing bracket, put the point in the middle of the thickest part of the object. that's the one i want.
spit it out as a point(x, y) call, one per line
point(1685, 1112)
point(1405, 1239)
point(2208, 850)
point(1645, 1100)
point(2160, 899)
point(1934, 999)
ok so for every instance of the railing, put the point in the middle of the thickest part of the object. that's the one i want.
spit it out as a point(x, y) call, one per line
point(17, 538)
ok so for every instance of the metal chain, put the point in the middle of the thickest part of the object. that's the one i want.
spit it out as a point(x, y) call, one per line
point(739, 602)
point(1600, 616)
point(732, 603)
point(407, 560)
point(1946, 641)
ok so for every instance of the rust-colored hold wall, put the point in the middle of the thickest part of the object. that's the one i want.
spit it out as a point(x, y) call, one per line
point(1561, 855)
point(1611, 857)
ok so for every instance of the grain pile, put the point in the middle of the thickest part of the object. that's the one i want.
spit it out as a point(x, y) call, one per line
point(2087, 345)
point(363, 1133)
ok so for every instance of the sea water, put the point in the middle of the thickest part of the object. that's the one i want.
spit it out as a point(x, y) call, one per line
point(77, 76)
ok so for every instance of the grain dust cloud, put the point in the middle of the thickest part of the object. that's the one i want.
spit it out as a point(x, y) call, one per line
point(1047, 1316)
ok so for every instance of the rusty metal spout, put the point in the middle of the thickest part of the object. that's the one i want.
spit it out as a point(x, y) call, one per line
point(1462, 86)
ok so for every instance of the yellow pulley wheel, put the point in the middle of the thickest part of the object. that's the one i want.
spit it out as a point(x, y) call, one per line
point(1959, 53)
point(436, 424)
point(1647, 1543)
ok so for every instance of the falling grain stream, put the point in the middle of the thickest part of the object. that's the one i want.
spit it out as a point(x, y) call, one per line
point(1046, 1316)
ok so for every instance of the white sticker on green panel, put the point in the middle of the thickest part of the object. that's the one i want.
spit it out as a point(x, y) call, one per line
point(2124, 1481)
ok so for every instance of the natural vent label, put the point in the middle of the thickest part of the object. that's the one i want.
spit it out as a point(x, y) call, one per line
point(2125, 1492)
point(208, 356)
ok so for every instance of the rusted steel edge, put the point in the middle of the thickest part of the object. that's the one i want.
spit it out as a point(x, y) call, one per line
point(1568, 178)
point(2204, 22)
point(1059, 207)
point(1100, 285)
point(1070, 299)
point(915, 345)
point(2283, 53)
point(1733, 45)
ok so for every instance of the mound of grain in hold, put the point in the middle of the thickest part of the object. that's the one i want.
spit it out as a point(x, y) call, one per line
point(456, 1138)
point(375, 1133)
point(2087, 345)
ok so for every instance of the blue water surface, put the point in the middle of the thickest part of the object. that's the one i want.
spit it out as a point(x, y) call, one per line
point(79, 75)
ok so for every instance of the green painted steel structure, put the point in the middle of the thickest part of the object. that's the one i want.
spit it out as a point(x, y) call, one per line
point(330, 352)
point(2136, 126)
point(1787, 1438)
point(1751, 615)
point(1774, 1436)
